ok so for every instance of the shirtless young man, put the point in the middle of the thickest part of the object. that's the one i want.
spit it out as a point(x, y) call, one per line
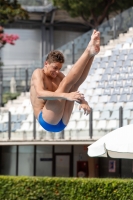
point(52, 94)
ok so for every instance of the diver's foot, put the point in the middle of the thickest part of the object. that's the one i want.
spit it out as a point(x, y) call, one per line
point(94, 44)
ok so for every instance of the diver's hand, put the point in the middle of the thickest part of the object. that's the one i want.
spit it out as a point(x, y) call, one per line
point(85, 106)
point(74, 96)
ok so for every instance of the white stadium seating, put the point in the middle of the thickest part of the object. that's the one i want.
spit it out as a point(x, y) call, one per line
point(108, 86)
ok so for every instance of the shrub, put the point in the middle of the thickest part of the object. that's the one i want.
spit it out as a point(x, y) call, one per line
point(9, 96)
point(38, 188)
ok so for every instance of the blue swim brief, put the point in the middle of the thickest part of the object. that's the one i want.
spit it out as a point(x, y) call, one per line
point(49, 127)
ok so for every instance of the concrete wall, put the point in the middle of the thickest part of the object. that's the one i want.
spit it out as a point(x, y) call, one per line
point(28, 48)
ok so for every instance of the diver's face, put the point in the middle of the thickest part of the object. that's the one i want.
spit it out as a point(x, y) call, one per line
point(52, 69)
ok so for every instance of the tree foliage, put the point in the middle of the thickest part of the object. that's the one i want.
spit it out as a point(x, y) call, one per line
point(94, 12)
point(10, 10)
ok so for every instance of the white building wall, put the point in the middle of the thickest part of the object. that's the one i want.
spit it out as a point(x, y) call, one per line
point(26, 49)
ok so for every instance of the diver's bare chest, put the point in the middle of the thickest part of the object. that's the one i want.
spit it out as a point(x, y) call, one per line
point(51, 85)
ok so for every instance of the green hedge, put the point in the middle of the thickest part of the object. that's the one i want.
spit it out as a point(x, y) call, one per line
point(9, 96)
point(26, 188)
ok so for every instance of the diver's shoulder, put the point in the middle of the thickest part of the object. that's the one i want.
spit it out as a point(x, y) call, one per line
point(61, 75)
point(38, 71)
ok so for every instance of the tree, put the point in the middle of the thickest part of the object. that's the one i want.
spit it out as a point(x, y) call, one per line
point(93, 12)
point(11, 10)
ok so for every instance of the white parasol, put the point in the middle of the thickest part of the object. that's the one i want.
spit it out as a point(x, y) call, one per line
point(116, 144)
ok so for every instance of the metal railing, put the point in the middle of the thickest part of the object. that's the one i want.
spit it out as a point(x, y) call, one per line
point(38, 135)
point(21, 73)
point(21, 76)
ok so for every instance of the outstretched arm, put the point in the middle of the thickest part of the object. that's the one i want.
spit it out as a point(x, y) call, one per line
point(73, 96)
